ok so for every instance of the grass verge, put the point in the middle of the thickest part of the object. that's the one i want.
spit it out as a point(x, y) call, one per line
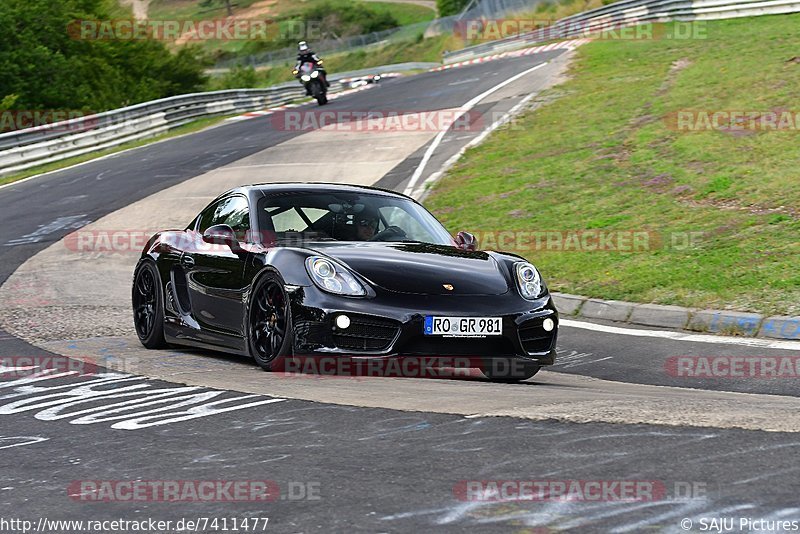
point(328, 17)
point(421, 50)
point(720, 205)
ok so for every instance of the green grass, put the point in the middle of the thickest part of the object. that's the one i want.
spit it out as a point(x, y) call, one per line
point(427, 50)
point(601, 155)
point(194, 126)
point(191, 9)
point(279, 12)
point(405, 14)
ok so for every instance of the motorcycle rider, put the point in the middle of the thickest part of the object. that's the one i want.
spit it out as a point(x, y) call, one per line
point(306, 55)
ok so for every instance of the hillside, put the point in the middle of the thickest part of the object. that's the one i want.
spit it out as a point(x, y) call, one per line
point(717, 198)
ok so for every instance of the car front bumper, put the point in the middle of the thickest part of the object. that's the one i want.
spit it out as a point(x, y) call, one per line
point(391, 324)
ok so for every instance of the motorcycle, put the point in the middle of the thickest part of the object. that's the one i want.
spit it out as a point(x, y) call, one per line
point(314, 83)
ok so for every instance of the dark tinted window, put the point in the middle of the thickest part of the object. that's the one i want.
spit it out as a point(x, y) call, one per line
point(232, 211)
point(347, 217)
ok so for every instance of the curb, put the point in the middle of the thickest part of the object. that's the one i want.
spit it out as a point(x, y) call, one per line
point(679, 318)
point(570, 44)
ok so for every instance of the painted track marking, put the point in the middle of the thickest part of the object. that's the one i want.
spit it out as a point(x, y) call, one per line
point(466, 108)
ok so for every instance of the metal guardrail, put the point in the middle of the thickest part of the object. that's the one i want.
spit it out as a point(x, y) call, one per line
point(395, 67)
point(384, 69)
point(24, 149)
point(629, 13)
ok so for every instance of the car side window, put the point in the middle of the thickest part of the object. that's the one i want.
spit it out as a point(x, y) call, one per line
point(396, 216)
point(232, 211)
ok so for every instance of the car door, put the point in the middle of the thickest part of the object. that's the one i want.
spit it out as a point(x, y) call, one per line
point(215, 273)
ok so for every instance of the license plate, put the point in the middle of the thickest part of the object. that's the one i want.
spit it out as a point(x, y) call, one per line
point(463, 326)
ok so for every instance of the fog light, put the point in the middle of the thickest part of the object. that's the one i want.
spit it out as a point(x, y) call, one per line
point(548, 325)
point(343, 321)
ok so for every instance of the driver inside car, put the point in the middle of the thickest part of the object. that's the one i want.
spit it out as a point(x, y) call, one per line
point(366, 227)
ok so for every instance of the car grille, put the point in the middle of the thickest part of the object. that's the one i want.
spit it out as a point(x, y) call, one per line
point(310, 334)
point(455, 346)
point(366, 333)
point(533, 337)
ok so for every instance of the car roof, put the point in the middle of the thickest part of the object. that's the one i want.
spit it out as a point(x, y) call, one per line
point(288, 187)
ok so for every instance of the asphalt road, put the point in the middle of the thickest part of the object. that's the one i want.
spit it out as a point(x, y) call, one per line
point(642, 360)
point(367, 469)
point(345, 469)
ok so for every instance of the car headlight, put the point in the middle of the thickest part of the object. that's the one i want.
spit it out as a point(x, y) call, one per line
point(334, 278)
point(305, 78)
point(529, 281)
point(314, 74)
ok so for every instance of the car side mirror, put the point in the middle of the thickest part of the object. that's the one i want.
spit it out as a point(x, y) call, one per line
point(222, 234)
point(466, 241)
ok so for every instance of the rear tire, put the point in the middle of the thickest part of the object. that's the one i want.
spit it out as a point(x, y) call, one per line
point(147, 297)
point(269, 323)
point(508, 369)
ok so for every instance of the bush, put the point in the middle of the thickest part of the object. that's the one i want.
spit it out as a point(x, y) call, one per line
point(340, 20)
point(239, 77)
point(450, 7)
point(50, 69)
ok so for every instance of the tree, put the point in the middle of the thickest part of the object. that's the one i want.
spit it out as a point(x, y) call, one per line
point(49, 67)
point(212, 3)
point(450, 7)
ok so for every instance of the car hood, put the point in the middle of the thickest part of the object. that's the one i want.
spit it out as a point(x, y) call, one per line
point(422, 268)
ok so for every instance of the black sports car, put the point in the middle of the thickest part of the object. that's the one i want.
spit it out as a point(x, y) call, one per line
point(278, 271)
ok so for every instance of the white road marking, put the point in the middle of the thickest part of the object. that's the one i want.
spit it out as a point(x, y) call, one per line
point(7, 442)
point(143, 405)
point(465, 81)
point(463, 109)
point(679, 336)
point(71, 222)
point(479, 138)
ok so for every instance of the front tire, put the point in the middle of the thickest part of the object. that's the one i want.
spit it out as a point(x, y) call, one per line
point(148, 306)
point(318, 93)
point(508, 369)
point(269, 319)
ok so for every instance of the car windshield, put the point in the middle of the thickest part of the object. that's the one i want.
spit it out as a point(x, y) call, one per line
point(335, 216)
